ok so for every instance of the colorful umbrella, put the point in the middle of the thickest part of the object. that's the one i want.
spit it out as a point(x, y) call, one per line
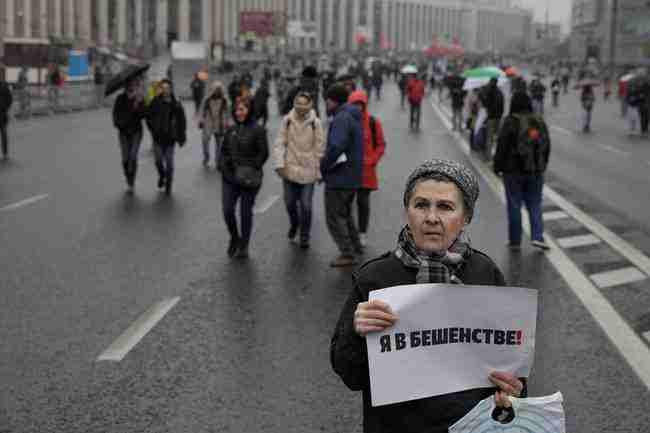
point(513, 72)
point(627, 77)
point(409, 69)
point(484, 72)
point(477, 83)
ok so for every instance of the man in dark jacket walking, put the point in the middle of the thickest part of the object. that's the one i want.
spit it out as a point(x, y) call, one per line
point(128, 112)
point(342, 170)
point(197, 86)
point(521, 158)
point(166, 120)
point(492, 99)
point(5, 103)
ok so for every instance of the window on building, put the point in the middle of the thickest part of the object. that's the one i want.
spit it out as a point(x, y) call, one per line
point(172, 18)
point(303, 11)
point(196, 20)
point(19, 19)
point(363, 12)
point(336, 22)
point(312, 10)
point(94, 21)
point(36, 19)
point(324, 34)
point(112, 20)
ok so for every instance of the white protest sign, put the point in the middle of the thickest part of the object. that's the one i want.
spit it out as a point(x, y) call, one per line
point(538, 414)
point(448, 338)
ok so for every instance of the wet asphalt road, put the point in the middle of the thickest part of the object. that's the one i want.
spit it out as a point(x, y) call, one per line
point(246, 347)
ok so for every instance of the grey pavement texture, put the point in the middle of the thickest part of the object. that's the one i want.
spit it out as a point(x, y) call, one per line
point(246, 348)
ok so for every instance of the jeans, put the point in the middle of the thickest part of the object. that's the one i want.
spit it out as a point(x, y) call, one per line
point(130, 146)
point(99, 94)
point(164, 161)
point(338, 213)
point(207, 141)
point(527, 189)
point(623, 107)
point(53, 96)
point(231, 193)
point(586, 120)
point(416, 111)
point(644, 117)
point(457, 118)
point(5, 138)
point(298, 199)
point(492, 134)
point(363, 209)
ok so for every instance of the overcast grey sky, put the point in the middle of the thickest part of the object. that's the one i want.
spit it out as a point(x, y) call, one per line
point(559, 10)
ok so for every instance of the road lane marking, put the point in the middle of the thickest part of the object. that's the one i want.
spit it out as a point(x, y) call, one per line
point(265, 205)
point(24, 203)
point(561, 130)
point(578, 241)
point(617, 277)
point(613, 149)
point(626, 340)
point(138, 329)
point(636, 257)
point(554, 216)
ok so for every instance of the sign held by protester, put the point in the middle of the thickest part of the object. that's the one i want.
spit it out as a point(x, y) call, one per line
point(448, 338)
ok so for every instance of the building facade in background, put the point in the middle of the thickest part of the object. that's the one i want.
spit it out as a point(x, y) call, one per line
point(141, 28)
point(484, 25)
point(592, 31)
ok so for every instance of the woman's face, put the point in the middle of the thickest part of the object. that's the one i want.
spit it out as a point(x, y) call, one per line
point(436, 215)
point(241, 113)
point(302, 105)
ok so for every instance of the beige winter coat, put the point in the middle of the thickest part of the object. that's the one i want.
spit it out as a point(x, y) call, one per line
point(299, 147)
point(214, 111)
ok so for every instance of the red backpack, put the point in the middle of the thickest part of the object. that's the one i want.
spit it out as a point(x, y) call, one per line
point(416, 91)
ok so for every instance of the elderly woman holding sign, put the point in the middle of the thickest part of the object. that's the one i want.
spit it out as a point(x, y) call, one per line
point(439, 202)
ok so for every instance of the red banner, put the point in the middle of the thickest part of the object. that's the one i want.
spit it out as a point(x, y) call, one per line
point(260, 23)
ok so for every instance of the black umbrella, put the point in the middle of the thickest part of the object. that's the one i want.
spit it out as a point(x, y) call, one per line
point(122, 78)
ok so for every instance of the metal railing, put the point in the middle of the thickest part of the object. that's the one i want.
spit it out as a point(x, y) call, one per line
point(44, 100)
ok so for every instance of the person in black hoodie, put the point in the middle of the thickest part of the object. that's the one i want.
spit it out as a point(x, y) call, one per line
point(168, 125)
point(521, 157)
point(244, 151)
point(128, 112)
point(493, 101)
point(5, 104)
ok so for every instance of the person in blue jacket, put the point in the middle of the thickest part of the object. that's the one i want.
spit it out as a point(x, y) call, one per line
point(342, 170)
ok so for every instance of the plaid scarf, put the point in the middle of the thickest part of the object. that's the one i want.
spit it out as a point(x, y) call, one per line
point(433, 267)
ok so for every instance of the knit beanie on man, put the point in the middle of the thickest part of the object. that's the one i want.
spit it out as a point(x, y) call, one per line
point(338, 93)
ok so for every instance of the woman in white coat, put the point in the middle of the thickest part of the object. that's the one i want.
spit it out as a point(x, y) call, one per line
point(297, 152)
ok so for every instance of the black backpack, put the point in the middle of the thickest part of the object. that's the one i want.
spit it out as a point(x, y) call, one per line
point(533, 143)
point(373, 132)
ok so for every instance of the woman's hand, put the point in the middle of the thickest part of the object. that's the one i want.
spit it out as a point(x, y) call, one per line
point(508, 384)
point(373, 316)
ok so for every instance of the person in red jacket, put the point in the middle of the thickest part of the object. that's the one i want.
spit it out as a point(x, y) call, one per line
point(415, 90)
point(374, 146)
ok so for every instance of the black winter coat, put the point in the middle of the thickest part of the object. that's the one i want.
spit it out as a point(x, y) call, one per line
point(506, 158)
point(127, 116)
point(167, 122)
point(243, 145)
point(348, 351)
point(5, 102)
point(492, 99)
